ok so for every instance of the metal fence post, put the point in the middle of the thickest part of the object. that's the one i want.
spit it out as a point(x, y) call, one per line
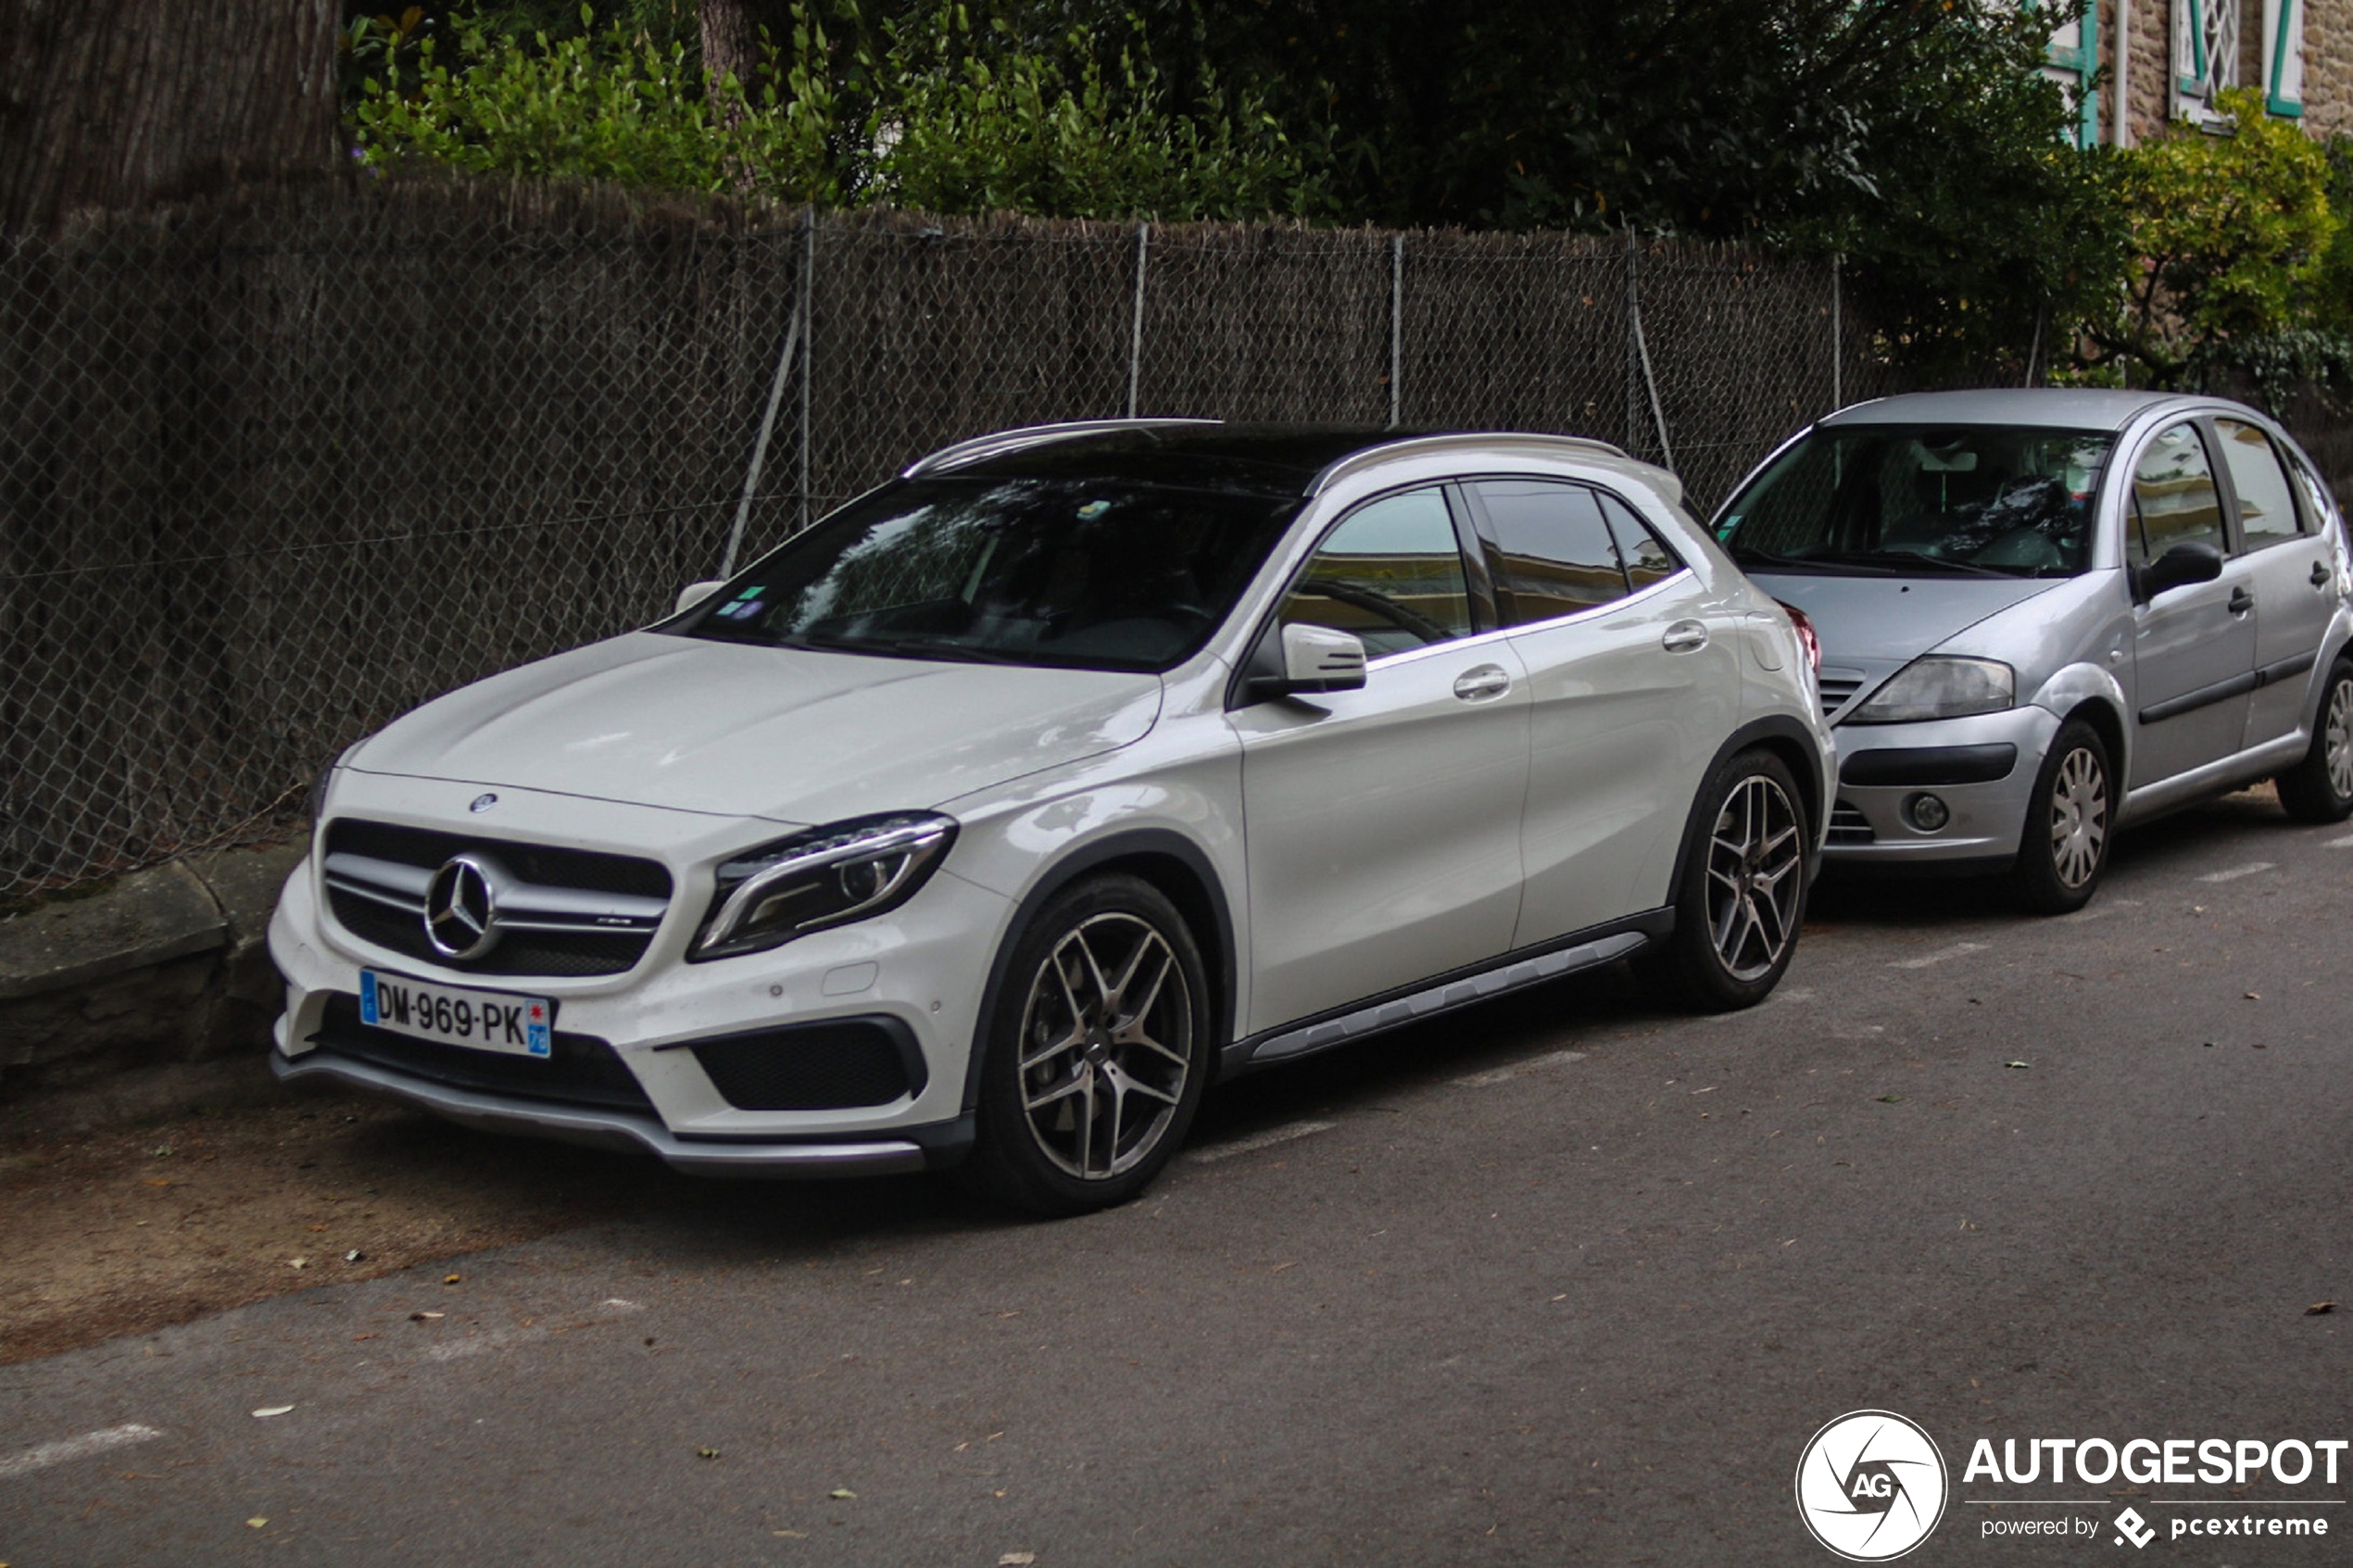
point(1643, 355)
point(1838, 328)
point(808, 334)
point(1633, 368)
point(767, 429)
point(1135, 325)
point(1396, 328)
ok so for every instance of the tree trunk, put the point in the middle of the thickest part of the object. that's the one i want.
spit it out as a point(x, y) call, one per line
point(731, 40)
point(118, 103)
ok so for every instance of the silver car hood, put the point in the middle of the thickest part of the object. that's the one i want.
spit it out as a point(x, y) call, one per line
point(1872, 621)
point(789, 735)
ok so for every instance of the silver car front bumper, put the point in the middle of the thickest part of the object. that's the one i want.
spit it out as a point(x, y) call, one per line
point(1882, 768)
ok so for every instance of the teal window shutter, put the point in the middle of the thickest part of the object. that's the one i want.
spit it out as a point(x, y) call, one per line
point(2284, 58)
point(2072, 60)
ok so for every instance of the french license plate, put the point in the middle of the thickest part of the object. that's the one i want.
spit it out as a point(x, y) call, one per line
point(484, 1021)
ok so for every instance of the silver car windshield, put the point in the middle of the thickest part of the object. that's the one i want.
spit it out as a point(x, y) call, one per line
point(2006, 500)
point(1107, 575)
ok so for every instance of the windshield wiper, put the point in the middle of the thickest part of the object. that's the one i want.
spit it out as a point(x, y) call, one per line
point(1826, 561)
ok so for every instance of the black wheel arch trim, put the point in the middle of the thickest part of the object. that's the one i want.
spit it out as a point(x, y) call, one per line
point(1810, 783)
point(1124, 845)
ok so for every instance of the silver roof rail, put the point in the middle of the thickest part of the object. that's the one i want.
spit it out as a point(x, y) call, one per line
point(1004, 441)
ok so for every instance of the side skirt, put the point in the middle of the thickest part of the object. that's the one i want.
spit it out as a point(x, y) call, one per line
point(1514, 971)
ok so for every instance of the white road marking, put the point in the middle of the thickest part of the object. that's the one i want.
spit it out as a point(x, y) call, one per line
point(2238, 871)
point(1504, 1075)
point(82, 1446)
point(1929, 960)
point(2344, 842)
point(1257, 1141)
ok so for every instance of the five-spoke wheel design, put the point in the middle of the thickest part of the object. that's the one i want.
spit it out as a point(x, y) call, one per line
point(2079, 818)
point(1107, 1046)
point(1756, 874)
point(1099, 1047)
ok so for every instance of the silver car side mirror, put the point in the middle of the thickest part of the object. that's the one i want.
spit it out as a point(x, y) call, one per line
point(694, 593)
point(1317, 658)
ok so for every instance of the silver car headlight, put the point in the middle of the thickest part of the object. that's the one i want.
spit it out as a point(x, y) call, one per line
point(1940, 688)
point(824, 877)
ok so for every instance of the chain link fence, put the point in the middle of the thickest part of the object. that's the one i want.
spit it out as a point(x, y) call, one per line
point(275, 469)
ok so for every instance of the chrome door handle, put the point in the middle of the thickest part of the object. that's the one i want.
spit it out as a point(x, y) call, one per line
point(2320, 574)
point(2241, 601)
point(1482, 682)
point(1684, 636)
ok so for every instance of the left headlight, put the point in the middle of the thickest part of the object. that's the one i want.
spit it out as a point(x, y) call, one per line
point(824, 877)
point(1940, 688)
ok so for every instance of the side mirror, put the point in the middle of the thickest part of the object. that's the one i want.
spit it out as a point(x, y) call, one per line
point(2179, 567)
point(1315, 658)
point(694, 593)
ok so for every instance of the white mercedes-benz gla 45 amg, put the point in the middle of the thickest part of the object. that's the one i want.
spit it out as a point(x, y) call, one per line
point(991, 819)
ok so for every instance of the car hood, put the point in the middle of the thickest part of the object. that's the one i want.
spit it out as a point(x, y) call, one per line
point(789, 735)
point(1882, 622)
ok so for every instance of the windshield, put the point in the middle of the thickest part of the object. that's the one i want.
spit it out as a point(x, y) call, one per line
point(1965, 499)
point(1114, 575)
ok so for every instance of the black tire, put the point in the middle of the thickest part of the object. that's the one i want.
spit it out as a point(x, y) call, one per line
point(2070, 822)
point(2319, 788)
point(1741, 899)
point(1093, 1117)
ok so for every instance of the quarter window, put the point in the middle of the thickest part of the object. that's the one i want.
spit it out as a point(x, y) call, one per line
point(1553, 549)
point(2175, 501)
point(1646, 558)
point(2267, 508)
point(1392, 575)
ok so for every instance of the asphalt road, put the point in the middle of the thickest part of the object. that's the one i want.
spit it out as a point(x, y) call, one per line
point(1564, 1280)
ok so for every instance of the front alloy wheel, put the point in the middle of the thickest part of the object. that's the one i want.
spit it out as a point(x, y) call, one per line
point(1099, 1052)
point(2063, 848)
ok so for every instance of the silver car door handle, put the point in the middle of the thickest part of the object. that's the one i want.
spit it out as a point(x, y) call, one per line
point(1482, 682)
point(1684, 636)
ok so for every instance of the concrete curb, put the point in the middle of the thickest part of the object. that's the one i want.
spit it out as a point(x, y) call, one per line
point(131, 1001)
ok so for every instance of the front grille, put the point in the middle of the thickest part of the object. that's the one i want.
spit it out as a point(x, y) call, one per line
point(831, 1066)
point(578, 1070)
point(1839, 687)
point(1850, 826)
point(600, 916)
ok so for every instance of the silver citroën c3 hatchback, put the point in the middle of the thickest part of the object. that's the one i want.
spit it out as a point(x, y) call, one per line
point(2046, 614)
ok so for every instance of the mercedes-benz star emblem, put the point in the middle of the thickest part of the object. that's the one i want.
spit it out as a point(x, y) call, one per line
point(462, 913)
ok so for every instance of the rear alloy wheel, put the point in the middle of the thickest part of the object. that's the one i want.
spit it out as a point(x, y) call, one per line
point(2319, 788)
point(2063, 848)
point(1742, 897)
point(1099, 1052)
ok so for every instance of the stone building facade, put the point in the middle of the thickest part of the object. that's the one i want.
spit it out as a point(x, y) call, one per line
point(2163, 60)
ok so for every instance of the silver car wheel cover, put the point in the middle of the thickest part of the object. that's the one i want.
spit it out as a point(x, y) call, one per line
point(2079, 818)
point(1107, 1037)
point(2336, 738)
point(1756, 874)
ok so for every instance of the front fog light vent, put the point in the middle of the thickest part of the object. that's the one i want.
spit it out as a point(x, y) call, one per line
point(1928, 812)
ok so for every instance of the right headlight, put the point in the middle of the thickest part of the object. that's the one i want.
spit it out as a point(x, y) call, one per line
point(827, 876)
point(1940, 688)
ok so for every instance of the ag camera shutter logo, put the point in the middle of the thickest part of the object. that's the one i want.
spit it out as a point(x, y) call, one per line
point(1872, 1485)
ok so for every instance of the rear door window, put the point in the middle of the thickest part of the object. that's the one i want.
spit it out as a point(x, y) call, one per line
point(1554, 555)
point(2267, 506)
point(2174, 499)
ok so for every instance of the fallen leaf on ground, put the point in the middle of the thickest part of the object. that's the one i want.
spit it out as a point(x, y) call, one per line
point(363, 1336)
point(2317, 1308)
point(791, 1535)
point(354, 1256)
point(451, 1279)
point(1017, 1560)
point(2253, 997)
point(255, 1522)
point(297, 1262)
point(706, 1454)
point(2025, 1064)
point(268, 1410)
point(842, 1492)
point(422, 1317)
point(1891, 1099)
